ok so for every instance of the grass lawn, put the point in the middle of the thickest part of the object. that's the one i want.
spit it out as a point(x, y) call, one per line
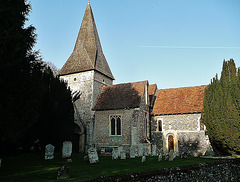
point(32, 167)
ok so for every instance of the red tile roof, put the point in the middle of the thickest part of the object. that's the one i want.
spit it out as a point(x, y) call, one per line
point(179, 100)
point(152, 89)
point(121, 96)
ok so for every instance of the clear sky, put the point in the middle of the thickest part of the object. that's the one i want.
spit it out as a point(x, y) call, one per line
point(173, 43)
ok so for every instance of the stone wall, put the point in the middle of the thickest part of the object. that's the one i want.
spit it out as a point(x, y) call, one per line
point(186, 131)
point(225, 170)
point(102, 136)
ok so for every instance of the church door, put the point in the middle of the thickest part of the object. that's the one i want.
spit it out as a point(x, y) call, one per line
point(170, 143)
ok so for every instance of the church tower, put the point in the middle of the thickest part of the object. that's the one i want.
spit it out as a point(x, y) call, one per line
point(86, 71)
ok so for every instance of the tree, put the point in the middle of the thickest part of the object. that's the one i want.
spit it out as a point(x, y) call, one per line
point(34, 104)
point(56, 120)
point(18, 65)
point(221, 109)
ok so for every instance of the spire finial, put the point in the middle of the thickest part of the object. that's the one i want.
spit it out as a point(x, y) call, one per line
point(88, 1)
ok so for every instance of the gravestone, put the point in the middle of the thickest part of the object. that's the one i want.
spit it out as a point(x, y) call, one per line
point(92, 155)
point(49, 151)
point(115, 154)
point(119, 151)
point(166, 157)
point(145, 150)
point(132, 152)
point(63, 172)
point(123, 154)
point(69, 161)
point(159, 157)
point(67, 149)
point(102, 150)
point(0, 162)
point(140, 150)
point(171, 155)
point(154, 150)
point(143, 158)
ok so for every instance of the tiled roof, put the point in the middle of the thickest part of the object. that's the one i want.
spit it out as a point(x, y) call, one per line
point(121, 96)
point(152, 89)
point(179, 100)
point(87, 53)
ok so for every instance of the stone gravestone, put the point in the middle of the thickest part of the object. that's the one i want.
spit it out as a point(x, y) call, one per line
point(145, 150)
point(160, 157)
point(132, 152)
point(143, 158)
point(171, 155)
point(67, 149)
point(166, 157)
point(154, 150)
point(115, 154)
point(92, 155)
point(63, 172)
point(140, 150)
point(119, 151)
point(123, 154)
point(49, 151)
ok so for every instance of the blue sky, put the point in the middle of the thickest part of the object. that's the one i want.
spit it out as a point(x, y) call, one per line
point(173, 43)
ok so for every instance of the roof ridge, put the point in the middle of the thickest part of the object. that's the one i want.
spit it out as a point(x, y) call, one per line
point(131, 82)
point(182, 87)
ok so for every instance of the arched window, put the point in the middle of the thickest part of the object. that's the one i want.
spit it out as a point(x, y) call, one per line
point(115, 123)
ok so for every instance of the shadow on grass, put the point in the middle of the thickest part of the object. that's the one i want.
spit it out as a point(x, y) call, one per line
point(33, 167)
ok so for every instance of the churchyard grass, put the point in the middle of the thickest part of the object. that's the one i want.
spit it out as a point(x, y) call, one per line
point(32, 167)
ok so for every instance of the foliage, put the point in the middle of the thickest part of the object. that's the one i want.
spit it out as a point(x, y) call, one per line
point(55, 123)
point(35, 168)
point(18, 66)
point(32, 99)
point(222, 109)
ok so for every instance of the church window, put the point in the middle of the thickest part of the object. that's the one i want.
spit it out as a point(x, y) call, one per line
point(75, 79)
point(159, 125)
point(115, 123)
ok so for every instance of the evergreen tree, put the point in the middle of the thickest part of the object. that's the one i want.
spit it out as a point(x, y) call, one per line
point(18, 65)
point(34, 104)
point(221, 109)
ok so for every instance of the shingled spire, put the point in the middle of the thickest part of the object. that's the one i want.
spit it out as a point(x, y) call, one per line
point(87, 53)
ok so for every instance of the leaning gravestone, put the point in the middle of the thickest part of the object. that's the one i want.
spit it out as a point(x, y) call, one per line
point(145, 150)
point(140, 150)
point(49, 151)
point(143, 158)
point(115, 154)
point(171, 155)
point(132, 152)
point(160, 157)
point(67, 149)
point(63, 172)
point(92, 155)
point(123, 154)
point(154, 150)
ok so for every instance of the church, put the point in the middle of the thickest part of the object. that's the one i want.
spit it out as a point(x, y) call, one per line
point(128, 114)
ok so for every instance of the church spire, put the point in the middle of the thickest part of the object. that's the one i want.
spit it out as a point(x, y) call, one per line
point(87, 54)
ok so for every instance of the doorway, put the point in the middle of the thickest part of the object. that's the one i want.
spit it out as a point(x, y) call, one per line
point(170, 143)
